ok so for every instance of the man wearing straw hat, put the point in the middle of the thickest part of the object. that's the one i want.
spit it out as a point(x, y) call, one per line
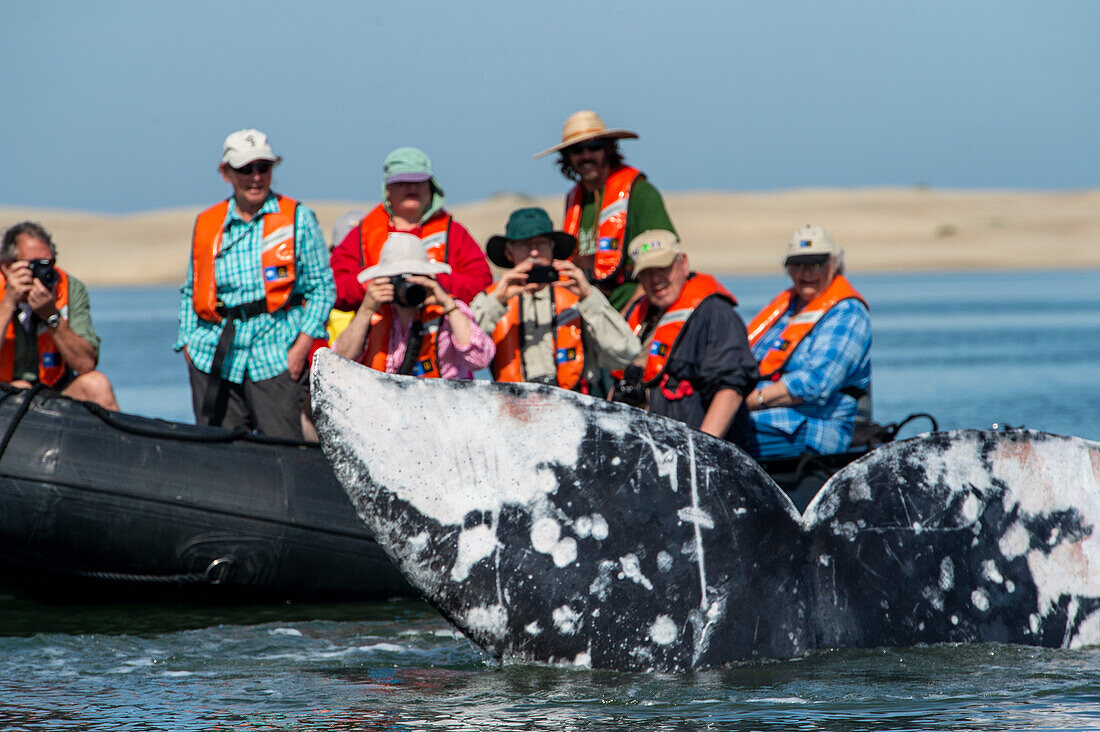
point(610, 203)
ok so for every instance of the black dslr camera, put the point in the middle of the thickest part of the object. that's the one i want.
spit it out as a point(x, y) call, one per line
point(408, 293)
point(629, 389)
point(43, 271)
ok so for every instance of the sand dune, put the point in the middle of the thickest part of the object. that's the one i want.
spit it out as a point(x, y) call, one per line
point(881, 229)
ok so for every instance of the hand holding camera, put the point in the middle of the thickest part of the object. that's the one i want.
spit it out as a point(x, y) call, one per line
point(574, 278)
point(409, 290)
point(32, 281)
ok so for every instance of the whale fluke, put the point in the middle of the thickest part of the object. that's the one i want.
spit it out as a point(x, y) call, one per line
point(552, 527)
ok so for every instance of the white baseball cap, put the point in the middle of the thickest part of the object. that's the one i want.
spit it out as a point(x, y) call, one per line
point(810, 241)
point(244, 146)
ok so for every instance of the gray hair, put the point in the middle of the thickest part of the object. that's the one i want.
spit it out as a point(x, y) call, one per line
point(29, 228)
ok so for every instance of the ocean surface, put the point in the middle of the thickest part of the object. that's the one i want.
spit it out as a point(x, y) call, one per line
point(972, 349)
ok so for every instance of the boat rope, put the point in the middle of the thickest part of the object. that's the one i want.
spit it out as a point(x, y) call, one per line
point(20, 412)
point(215, 573)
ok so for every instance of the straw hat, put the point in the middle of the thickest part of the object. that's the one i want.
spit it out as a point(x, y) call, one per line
point(586, 125)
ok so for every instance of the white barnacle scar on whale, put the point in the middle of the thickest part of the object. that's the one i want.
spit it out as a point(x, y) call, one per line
point(455, 463)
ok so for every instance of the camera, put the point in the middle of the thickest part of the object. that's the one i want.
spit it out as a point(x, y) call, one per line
point(42, 270)
point(629, 389)
point(542, 273)
point(408, 293)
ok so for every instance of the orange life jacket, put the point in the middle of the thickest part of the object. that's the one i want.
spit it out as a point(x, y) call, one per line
point(378, 341)
point(277, 259)
point(375, 227)
point(698, 288)
point(610, 223)
point(507, 364)
point(51, 367)
point(800, 324)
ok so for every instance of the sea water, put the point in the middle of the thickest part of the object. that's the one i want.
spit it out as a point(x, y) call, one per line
point(971, 349)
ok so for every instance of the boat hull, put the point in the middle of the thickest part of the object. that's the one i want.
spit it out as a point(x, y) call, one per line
point(123, 506)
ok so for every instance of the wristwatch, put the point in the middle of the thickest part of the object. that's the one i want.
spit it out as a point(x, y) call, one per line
point(54, 320)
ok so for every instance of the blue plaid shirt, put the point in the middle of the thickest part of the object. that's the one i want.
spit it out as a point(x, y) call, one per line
point(834, 355)
point(260, 344)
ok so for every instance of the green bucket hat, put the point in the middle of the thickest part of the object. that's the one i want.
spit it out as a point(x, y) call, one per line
point(408, 165)
point(527, 223)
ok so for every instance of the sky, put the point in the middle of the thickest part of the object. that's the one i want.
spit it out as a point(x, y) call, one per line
point(122, 106)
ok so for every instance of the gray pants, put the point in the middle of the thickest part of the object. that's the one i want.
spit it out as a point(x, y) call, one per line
point(271, 407)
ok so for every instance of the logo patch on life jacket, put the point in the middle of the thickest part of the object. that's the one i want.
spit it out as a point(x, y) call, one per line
point(422, 367)
point(658, 349)
point(50, 360)
point(608, 244)
point(274, 273)
point(564, 355)
point(781, 344)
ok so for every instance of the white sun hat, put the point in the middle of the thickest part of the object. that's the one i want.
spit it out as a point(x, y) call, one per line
point(403, 254)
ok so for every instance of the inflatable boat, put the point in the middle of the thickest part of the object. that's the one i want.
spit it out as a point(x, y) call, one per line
point(96, 505)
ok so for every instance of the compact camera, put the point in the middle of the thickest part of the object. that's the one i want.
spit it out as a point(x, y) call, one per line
point(408, 293)
point(542, 273)
point(43, 271)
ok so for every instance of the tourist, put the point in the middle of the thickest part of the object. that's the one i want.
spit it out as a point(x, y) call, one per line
point(813, 342)
point(257, 293)
point(695, 365)
point(550, 326)
point(407, 323)
point(609, 204)
point(412, 203)
point(46, 319)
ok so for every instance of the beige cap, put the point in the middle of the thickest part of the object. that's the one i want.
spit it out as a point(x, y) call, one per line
point(586, 125)
point(244, 146)
point(655, 248)
point(810, 241)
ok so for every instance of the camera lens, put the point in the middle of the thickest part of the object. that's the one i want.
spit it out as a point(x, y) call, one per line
point(408, 293)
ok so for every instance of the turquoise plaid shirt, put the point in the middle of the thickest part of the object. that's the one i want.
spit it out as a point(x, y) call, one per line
point(261, 343)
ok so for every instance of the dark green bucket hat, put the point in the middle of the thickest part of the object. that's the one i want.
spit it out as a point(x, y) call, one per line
point(527, 223)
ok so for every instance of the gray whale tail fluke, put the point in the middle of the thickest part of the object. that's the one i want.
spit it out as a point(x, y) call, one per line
point(551, 527)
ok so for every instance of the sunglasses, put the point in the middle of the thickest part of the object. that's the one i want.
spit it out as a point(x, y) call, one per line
point(590, 146)
point(261, 166)
point(812, 265)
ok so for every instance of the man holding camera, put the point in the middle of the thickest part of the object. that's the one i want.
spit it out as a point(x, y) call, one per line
point(47, 322)
point(696, 364)
point(549, 324)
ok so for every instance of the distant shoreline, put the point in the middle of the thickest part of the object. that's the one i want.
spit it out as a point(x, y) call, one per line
point(881, 230)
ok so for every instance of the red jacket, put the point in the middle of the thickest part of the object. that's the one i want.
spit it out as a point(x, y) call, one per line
point(469, 268)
